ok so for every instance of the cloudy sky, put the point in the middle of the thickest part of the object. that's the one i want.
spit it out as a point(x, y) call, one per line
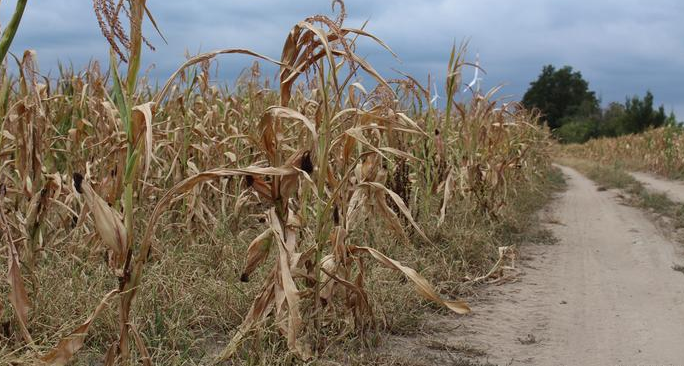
point(622, 47)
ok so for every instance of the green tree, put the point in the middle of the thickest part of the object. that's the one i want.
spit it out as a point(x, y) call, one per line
point(640, 115)
point(560, 94)
point(611, 119)
point(576, 130)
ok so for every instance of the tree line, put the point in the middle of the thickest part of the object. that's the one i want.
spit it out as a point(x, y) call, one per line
point(574, 113)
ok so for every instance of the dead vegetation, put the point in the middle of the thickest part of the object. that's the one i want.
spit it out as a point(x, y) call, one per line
point(658, 150)
point(190, 225)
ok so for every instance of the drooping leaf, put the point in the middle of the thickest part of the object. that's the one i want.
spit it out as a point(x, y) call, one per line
point(422, 286)
point(256, 253)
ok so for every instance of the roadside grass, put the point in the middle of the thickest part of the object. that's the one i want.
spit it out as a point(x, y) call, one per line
point(522, 224)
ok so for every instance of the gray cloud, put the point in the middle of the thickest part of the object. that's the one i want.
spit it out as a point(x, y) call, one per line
point(622, 47)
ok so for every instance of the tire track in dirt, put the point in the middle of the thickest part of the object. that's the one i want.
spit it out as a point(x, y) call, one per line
point(605, 294)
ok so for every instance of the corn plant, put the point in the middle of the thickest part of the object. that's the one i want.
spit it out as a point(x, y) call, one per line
point(11, 30)
point(657, 150)
point(102, 169)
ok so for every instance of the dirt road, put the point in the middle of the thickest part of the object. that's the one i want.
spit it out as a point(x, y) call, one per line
point(605, 294)
point(673, 189)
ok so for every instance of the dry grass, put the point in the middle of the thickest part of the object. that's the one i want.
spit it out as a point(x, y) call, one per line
point(189, 225)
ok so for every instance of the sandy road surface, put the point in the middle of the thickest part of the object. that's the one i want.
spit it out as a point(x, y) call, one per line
point(673, 189)
point(605, 294)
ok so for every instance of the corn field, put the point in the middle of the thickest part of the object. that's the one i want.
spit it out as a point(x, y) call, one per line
point(659, 150)
point(187, 221)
